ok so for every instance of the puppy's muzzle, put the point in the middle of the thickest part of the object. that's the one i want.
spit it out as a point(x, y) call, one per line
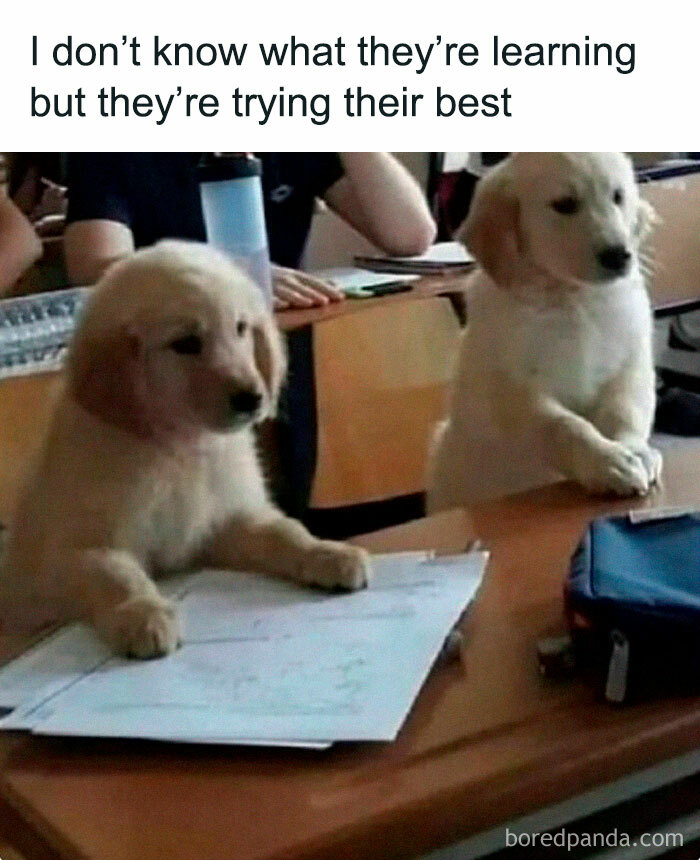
point(615, 259)
point(244, 402)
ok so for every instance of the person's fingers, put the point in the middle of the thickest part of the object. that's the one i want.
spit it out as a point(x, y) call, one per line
point(294, 279)
point(279, 304)
point(324, 288)
point(315, 296)
point(298, 293)
point(301, 290)
point(291, 296)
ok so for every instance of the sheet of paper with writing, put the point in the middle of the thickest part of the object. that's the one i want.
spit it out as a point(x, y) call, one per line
point(263, 659)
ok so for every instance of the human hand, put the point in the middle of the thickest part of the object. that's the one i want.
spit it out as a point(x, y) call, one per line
point(49, 214)
point(295, 289)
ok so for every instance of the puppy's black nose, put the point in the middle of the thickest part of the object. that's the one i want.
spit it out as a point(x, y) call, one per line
point(244, 402)
point(615, 258)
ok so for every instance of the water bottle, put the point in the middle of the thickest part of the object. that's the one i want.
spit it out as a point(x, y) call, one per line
point(234, 216)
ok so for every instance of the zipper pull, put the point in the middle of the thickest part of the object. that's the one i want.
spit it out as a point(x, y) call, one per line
point(616, 684)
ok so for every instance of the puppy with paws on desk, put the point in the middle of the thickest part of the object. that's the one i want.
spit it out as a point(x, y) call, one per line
point(555, 376)
point(150, 465)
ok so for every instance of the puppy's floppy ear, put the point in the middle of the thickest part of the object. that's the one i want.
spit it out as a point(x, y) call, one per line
point(270, 359)
point(492, 231)
point(646, 219)
point(105, 376)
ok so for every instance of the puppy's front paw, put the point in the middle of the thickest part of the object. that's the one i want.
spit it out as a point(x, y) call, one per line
point(619, 469)
point(142, 627)
point(336, 565)
point(652, 460)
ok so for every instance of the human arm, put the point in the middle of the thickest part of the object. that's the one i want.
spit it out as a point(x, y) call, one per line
point(378, 197)
point(92, 245)
point(20, 246)
point(98, 228)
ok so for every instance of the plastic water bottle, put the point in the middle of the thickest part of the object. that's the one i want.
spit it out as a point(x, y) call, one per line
point(234, 216)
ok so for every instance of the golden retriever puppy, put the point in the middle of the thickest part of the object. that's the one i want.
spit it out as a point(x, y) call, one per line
point(150, 463)
point(555, 376)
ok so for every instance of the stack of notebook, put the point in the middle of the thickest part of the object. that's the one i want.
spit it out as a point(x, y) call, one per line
point(441, 258)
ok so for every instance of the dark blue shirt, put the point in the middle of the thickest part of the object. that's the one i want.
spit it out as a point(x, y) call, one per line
point(156, 194)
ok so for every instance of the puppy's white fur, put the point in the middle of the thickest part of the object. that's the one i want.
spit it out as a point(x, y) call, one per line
point(555, 375)
point(150, 464)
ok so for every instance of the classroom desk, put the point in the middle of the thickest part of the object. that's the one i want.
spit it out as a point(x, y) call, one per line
point(488, 738)
point(673, 249)
point(381, 369)
point(429, 287)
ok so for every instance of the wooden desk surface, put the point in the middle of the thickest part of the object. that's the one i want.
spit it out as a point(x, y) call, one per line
point(674, 245)
point(487, 740)
point(26, 403)
point(424, 288)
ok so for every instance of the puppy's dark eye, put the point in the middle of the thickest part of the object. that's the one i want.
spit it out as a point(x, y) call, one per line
point(565, 205)
point(241, 327)
point(618, 197)
point(190, 344)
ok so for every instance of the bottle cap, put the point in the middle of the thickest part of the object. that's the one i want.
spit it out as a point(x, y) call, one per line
point(222, 166)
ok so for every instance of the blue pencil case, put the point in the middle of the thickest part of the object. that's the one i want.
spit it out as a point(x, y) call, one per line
point(633, 605)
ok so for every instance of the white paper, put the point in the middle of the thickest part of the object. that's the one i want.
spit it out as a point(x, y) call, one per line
point(440, 252)
point(353, 278)
point(50, 665)
point(443, 252)
point(265, 660)
point(645, 515)
point(61, 658)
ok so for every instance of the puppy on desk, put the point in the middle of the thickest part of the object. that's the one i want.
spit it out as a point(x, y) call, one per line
point(150, 464)
point(555, 376)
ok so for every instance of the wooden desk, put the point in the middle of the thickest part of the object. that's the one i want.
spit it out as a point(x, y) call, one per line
point(488, 739)
point(382, 368)
point(381, 388)
point(674, 245)
point(425, 288)
point(25, 406)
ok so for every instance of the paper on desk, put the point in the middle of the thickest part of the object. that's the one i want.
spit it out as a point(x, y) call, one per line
point(50, 665)
point(57, 661)
point(440, 256)
point(443, 252)
point(350, 278)
point(61, 658)
point(645, 515)
point(71, 652)
point(266, 660)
